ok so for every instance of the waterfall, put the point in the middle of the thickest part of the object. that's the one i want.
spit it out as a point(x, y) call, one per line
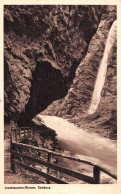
point(102, 70)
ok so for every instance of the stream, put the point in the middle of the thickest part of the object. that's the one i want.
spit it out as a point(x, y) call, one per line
point(82, 144)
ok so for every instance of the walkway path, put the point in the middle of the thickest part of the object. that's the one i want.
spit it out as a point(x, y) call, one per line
point(21, 177)
point(7, 155)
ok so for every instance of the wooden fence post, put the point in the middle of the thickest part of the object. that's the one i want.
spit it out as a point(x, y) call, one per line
point(31, 133)
point(29, 150)
point(11, 154)
point(19, 134)
point(16, 135)
point(24, 133)
point(49, 169)
point(96, 174)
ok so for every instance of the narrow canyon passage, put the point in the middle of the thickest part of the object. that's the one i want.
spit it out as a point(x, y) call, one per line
point(101, 76)
point(60, 62)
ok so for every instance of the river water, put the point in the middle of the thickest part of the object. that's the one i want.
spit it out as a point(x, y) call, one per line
point(79, 143)
point(84, 145)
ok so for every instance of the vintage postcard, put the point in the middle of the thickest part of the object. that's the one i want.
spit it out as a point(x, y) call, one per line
point(60, 96)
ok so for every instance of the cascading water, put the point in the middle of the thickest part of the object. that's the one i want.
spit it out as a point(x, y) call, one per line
point(81, 144)
point(102, 70)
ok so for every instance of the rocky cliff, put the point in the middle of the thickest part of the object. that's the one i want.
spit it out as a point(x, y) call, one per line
point(54, 52)
point(43, 47)
point(77, 102)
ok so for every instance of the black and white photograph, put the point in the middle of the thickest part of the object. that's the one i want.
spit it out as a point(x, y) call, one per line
point(60, 94)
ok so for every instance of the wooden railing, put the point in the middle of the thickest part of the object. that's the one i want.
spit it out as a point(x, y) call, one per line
point(15, 153)
point(21, 133)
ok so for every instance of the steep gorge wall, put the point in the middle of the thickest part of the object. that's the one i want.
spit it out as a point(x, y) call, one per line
point(76, 104)
point(43, 46)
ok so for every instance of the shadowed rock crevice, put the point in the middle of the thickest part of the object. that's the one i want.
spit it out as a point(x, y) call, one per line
point(48, 84)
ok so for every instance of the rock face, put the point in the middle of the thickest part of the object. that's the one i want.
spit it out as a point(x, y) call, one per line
point(76, 104)
point(53, 53)
point(43, 47)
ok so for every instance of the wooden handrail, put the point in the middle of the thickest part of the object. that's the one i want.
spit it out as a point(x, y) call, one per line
point(32, 169)
point(17, 134)
point(67, 157)
point(24, 132)
point(21, 128)
point(71, 173)
point(54, 153)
